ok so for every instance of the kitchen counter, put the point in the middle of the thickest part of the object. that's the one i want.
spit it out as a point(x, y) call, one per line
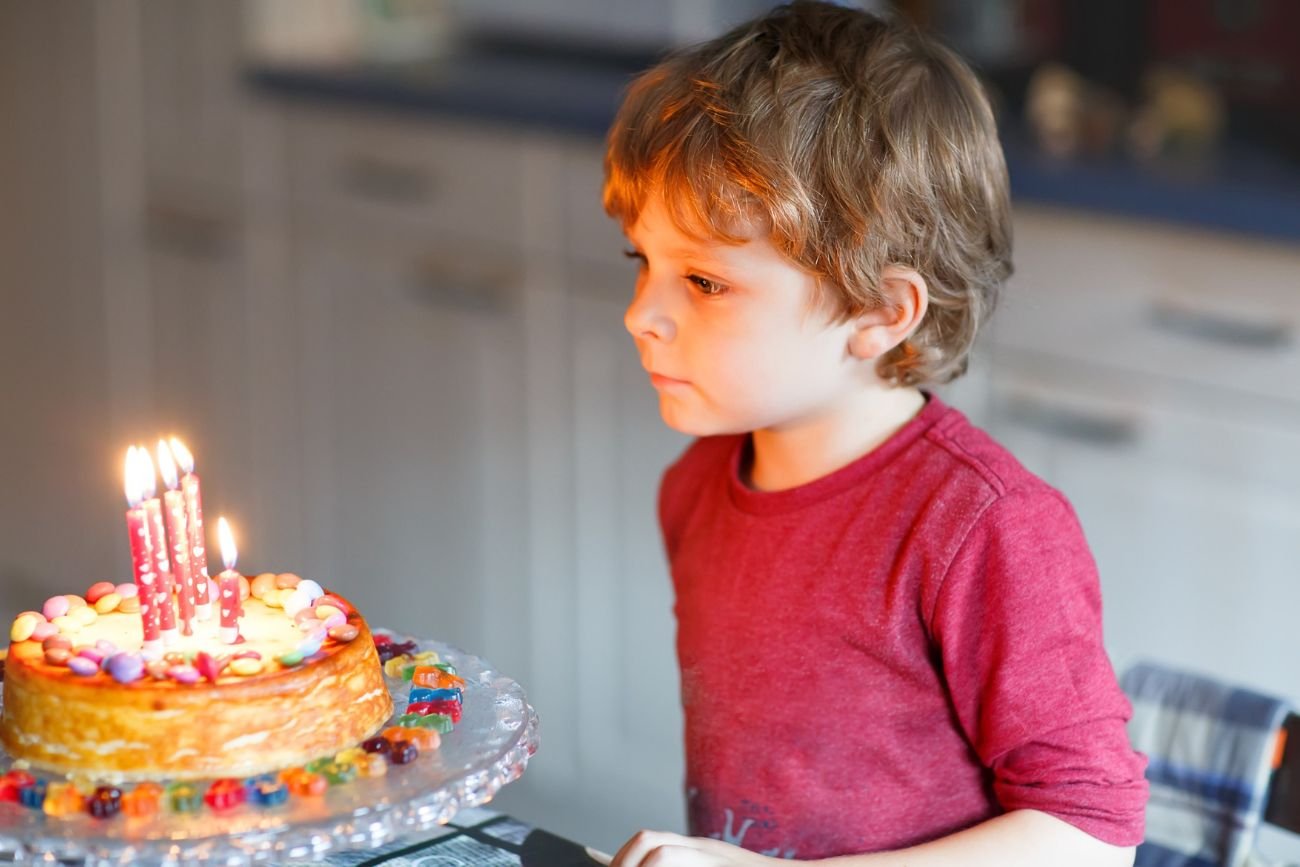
point(1243, 191)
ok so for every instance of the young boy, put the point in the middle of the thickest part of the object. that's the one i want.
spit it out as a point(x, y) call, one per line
point(889, 631)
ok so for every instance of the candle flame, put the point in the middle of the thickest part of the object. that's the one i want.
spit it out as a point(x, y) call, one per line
point(148, 477)
point(183, 456)
point(228, 550)
point(167, 466)
point(133, 484)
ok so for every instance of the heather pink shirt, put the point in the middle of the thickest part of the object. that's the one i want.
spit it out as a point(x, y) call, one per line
point(896, 651)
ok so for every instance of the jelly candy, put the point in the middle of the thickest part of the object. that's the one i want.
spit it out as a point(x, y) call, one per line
point(425, 694)
point(266, 791)
point(344, 633)
point(337, 773)
point(9, 792)
point(439, 722)
point(105, 802)
point(377, 744)
point(351, 756)
point(424, 708)
point(62, 799)
point(184, 798)
point(33, 796)
point(304, 783)
point(225, 794)
point(403, 753)
point(427, 740)
point(144, 800)
point(434, 677)
point(375, 765)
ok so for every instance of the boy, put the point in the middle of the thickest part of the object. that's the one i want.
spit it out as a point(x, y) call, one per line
point(889, 632)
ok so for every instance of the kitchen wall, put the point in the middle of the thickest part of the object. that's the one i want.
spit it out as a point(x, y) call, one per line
point(387, 318)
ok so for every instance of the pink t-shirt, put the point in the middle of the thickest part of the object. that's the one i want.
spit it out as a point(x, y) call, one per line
point(893, 652)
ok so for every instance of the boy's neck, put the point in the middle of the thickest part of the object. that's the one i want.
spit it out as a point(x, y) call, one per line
point(792, 456)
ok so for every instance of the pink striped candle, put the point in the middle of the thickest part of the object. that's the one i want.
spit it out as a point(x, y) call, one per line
point(142, 562)
point(158, 549)
point(194, 518)
point(178, 533)
point(228, 586)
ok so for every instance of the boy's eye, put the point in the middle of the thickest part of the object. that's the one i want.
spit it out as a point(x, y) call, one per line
point(637, 255)
point(705, 285)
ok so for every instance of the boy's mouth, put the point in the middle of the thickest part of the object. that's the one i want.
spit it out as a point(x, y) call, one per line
point(658, 380)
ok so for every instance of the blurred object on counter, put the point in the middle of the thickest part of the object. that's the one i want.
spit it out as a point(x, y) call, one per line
point(313, 32)
point(283, 31)
point(1070, 116)
point(1181, 117)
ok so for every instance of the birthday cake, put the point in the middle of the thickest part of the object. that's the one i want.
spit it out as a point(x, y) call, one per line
point(83, 695)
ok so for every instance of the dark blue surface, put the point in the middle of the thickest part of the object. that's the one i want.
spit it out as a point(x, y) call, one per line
point(1250, 192)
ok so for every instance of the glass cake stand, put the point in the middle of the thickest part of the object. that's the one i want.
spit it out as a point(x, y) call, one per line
point(488, 748)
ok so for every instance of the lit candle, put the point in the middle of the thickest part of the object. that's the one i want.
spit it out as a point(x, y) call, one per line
point(142, 563)
point(158, 549)
point(228, 586)
point(178, 533)
point(194, 518)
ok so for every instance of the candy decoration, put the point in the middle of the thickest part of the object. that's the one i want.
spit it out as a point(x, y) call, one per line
point(184, 674)
point(44, 630)
point(125, 667)
point(424, 708)
point(99, 590)
point(290, 659)
point(8, 792)
point(183, 798)
point(32, 797)
point(107, 603)
point(144, 800)
point(266, 791)
point(377, 744)
point(25, 625)
point(225, 794)
point(59, 656)
point(246, 666)
point(55, 606)
point(62, 799)
point(403, 753)
point(426, 739)
point(435, 678)
point(439, 722)
point(336, 773)
point(209, 666)
point(83, 666)
point(304, 783)
point(425, 694)
point(343, 634)
point(105, 802)
point(287, 581)
point(262, 584)
point(375, 765)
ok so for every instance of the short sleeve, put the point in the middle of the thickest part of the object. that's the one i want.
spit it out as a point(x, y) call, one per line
point(1017, 622)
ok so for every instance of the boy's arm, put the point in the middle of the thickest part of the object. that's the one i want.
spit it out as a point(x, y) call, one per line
point(1022, 837)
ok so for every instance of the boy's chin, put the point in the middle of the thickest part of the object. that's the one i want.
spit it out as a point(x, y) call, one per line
point(698, 426)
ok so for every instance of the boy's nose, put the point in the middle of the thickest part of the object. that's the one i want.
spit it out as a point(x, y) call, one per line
point(646, 317)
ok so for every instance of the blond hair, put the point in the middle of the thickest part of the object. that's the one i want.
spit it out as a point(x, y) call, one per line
point(854, 143)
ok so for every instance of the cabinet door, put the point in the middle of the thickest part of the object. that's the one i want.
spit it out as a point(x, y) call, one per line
point(200, 372)
point(1195, 538)
point(411, 442)
point(190, 56)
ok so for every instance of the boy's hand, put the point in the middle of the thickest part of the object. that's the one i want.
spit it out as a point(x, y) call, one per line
point(663, 849)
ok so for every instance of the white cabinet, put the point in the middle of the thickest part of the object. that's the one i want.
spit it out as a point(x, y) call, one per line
point(1154, 385)
point(411, 431)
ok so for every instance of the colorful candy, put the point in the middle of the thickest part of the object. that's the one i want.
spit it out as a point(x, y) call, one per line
point(184, 798)
point(266, 791)
point(55, 607)
point(62, 799)
point(304, 783)
point(66, 624)
point(245, 666)
point(108, 602)
point(439, 722)
point(129, 590)
point(105, 802)
point(403, 753)
point(435, 677)
point(84, 615)
point(425, 694)
point(83, 666)
point(58, 656)
point(292, 658)
point(144, 800)
point(33, 796)
point(25, 625)
point(44, 630)
point(184, 674)
point(343, 633)
point(424, 708)
point(225, 794)
point(209, 666)
point(377, 744)
point(99, 590)
point(262, 585)
point(125, 667)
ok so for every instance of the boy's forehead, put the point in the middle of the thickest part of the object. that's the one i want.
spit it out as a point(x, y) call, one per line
point(683, 235)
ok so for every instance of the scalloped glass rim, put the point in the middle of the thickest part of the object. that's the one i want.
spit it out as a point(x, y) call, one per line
point(489, 748)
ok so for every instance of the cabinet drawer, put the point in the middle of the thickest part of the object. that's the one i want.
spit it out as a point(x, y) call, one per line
point(391, 174)
point(1192, 307)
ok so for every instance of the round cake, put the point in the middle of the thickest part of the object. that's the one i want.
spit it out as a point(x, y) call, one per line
point(82, 697)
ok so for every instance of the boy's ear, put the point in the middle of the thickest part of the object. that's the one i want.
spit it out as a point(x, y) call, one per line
point(880, 329)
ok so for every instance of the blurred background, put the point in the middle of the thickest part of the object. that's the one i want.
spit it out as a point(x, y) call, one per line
point(353, 253)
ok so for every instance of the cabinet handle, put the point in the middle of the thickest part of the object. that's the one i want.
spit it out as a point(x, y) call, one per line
point(199, 237)
point(449, 284)
point(1108, 429)
point(387, 182)
point(1217, 328)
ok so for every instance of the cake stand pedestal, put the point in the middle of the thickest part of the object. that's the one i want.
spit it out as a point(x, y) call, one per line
point(488, 748)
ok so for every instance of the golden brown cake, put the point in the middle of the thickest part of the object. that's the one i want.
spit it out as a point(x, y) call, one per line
point(282, 705)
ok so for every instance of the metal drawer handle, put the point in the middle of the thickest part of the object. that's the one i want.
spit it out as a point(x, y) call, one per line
point(387, 182)
point(447, 284)
point(1111, 429)
point(199, 237)
point(1210, 327)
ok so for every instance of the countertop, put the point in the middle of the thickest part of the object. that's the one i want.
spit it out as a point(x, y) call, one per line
point(1242, 190)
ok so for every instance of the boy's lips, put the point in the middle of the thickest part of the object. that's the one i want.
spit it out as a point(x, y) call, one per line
point(658, 380)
